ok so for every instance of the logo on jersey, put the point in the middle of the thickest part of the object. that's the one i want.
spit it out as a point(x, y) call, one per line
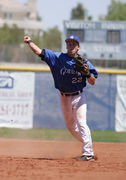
point(65, 71)
point(6, 82)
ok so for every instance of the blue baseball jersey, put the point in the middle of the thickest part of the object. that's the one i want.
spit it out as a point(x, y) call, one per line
point(66, 79)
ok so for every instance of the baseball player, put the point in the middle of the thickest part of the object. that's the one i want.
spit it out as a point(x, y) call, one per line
point(71, 72)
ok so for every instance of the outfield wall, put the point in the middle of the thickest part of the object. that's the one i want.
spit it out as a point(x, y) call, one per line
point(29, 99)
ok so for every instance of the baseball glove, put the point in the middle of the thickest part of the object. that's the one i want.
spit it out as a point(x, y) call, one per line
point(82, 66)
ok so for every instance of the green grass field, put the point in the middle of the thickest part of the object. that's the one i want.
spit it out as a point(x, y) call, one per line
point(60, 134)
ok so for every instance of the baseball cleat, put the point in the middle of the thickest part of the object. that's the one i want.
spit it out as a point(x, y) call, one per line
point(86, 158)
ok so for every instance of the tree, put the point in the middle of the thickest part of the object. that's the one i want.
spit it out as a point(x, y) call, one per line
point(12, 36)
point(89, 18)
point(52, 39)
point(78, 12)
point(116, 11)
point(12, 48)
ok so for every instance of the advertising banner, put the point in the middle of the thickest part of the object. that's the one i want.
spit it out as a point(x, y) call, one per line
point(120, 110)
point(16, 99)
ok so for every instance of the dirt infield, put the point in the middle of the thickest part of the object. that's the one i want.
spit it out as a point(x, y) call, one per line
point(54, 160)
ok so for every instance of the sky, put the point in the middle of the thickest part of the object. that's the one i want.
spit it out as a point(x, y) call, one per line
point(54, 12)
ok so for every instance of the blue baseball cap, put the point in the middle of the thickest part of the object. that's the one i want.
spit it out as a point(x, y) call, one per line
point(72, 37)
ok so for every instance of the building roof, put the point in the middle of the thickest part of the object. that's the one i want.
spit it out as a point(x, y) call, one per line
point(12, 5)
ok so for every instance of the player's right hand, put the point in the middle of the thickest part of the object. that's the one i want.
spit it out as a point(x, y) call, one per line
point(26, 39)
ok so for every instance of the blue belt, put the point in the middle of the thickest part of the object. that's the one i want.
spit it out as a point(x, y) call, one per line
point(71, 94)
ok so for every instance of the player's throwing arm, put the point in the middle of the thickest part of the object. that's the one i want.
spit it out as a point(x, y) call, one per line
point(33, 46)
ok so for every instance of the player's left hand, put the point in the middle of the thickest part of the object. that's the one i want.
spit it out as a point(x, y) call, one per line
point(82, 66)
